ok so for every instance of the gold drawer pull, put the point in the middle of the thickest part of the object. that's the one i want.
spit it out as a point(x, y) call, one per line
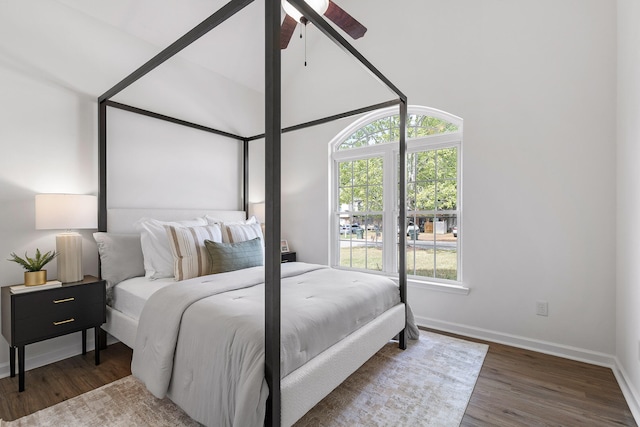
point(58, 301)
point(62, 322)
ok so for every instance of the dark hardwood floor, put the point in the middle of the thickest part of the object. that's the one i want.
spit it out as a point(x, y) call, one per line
point(515, 388)
point(54, 383)
point(519, 387)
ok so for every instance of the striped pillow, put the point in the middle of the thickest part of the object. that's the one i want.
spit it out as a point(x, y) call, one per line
point(234, 233)
point(190, 256)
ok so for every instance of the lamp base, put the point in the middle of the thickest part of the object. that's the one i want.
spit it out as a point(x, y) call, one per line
point(69, 248)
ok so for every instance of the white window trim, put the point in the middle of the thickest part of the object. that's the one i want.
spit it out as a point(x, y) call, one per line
point(389, 153)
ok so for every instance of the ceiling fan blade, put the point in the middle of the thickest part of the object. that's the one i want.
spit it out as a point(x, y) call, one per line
point(346, 22)
point(288, 27)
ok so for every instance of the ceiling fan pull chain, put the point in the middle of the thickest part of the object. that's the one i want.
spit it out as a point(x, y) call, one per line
point(305, 44)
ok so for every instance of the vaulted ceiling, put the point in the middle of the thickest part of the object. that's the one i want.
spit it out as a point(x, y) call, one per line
point(232, 50)
point(90, 45)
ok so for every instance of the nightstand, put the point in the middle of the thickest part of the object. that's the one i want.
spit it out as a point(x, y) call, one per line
point(38, 315)
point(288, 257)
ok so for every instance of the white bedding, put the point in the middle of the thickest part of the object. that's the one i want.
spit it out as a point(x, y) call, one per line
point(130, 295)
point(201, 342)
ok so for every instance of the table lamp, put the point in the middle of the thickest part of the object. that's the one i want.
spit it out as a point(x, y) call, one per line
point(67, 212)
point(257, 210)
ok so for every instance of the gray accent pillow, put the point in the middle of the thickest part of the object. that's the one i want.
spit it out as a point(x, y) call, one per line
point(234, 256)
point(120, 258)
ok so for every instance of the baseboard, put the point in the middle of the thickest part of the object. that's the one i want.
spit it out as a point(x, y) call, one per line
point(573, 353)
point(568, 352)
point(631, 395)
point(54, 355)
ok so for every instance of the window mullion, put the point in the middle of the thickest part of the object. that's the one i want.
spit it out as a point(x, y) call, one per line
point(436, 206)
point(334, 254)
point(389, 191)
point(366, 215)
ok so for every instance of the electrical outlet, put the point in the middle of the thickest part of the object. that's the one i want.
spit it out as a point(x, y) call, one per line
point(542, 308)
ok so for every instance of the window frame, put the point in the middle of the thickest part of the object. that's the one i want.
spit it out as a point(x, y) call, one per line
point(389, 153)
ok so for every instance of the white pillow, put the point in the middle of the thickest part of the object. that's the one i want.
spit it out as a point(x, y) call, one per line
point(190, 255)
point(211, 221)
point(158, 260)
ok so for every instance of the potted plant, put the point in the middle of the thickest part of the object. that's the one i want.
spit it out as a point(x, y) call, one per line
point(34, 275)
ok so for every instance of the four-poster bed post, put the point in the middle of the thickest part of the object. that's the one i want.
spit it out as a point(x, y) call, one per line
point(272, 137)
point(402, 258)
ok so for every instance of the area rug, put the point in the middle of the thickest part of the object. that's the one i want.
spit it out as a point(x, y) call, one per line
point(429, 384)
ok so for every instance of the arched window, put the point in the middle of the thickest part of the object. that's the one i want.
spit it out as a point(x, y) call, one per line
point(386, 129)
point(365, 186)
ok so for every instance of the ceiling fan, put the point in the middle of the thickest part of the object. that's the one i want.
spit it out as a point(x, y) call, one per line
point(328, 8)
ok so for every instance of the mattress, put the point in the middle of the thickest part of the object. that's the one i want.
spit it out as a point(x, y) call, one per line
point(130, 296)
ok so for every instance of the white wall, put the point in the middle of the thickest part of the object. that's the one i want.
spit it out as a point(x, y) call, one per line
point(535, 84)
point(156, 164)
point(628, 201)
point(46, 147)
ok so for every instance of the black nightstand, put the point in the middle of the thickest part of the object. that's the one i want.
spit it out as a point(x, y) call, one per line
point(38, 315)
point(288, 257)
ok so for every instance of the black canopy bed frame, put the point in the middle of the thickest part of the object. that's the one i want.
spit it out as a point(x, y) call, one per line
point(272, 137)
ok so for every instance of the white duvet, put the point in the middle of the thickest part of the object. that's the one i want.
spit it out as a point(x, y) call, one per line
point(201, 341)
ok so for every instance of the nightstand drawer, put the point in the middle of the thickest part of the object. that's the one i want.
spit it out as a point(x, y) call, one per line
point(57, 322)
point(55, 302)
point(288, 257)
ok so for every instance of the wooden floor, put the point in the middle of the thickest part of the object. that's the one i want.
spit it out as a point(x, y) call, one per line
point(515, 388)
point(519, 387)
point(62, 380)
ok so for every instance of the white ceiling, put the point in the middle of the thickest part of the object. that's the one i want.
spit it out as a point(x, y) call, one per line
point(160, 23)
point(234, 50)
point(90, 45)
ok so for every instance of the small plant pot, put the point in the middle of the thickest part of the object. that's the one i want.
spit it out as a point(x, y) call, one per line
point(35, 278)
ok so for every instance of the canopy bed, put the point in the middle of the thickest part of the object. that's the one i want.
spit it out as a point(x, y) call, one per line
point(289, 393)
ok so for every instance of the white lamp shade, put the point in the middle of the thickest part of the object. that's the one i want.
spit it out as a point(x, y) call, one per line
point(319, 6)
point(66, 211)
point(257, 210)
